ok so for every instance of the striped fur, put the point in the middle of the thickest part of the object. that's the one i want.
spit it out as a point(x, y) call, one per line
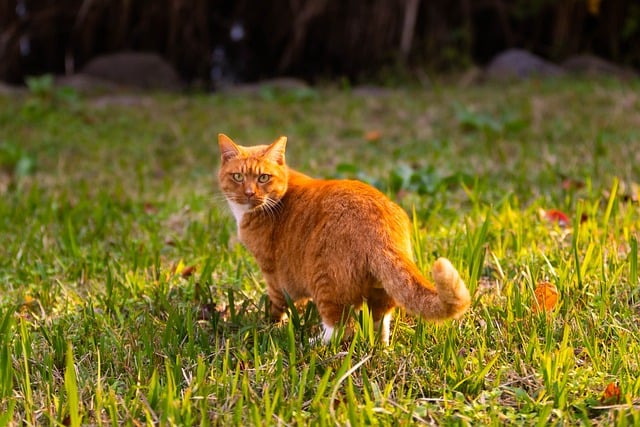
point(337, 242)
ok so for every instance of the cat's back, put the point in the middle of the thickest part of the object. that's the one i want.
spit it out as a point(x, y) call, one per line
point(341, 200)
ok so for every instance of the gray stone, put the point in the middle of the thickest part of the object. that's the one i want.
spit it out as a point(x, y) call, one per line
point(135, 69)
point(520, 64)
point(9, 90)
point(591, 65)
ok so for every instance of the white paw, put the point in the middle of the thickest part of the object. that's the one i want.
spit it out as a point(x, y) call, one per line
point(327, 333)
point(324, 337)
point(385, 331)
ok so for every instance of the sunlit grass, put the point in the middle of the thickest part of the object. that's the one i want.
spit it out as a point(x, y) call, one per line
point(125, 297)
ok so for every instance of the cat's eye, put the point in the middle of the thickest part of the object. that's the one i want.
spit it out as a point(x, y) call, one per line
point(264, 178)
point(237, 177)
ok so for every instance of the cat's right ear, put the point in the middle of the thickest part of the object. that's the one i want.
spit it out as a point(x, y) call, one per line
point(276, 150)
point(228, 150)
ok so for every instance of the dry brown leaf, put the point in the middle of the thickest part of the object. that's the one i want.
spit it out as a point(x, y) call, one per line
point(557, 216)
point(188, 271)
point(372, 135)
point(611, 394)
point(546, 297)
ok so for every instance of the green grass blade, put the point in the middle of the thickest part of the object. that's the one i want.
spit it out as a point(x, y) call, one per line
point(71, 387)
point(610, 204)
point(6, 350)
point(633, 261)
point(25, 343)
point(7, 415)
point(477, 254)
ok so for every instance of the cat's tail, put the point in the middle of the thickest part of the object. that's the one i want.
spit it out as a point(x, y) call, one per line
point(410, 289)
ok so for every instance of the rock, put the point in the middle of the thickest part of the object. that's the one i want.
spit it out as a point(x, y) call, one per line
point(591, 65)
point(8, 90)
point(520, 64)
point(135, 69)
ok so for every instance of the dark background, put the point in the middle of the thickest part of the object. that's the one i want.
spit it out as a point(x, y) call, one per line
point(313, 39)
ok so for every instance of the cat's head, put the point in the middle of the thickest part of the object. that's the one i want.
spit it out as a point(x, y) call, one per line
point(253, 177)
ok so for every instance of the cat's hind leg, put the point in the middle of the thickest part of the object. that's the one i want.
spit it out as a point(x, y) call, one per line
point(332, 311)
point(384, 326)
point(382, 323)
point(381, 305)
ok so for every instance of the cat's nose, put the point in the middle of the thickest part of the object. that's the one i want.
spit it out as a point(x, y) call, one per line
point(249, 192)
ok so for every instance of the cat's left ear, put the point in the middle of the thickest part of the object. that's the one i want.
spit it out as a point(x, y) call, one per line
point(275, 152)
point(228, 150)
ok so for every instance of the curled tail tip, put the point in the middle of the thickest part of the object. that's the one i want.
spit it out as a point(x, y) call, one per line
point(451, 288)
point(443, 271)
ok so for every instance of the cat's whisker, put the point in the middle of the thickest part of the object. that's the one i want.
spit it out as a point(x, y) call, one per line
point(266, 208)
point(271, 207)
point(218, 200)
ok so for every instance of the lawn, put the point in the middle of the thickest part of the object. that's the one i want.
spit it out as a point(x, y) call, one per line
point(126, 299)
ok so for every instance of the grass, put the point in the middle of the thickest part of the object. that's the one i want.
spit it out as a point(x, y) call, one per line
point(125, 297)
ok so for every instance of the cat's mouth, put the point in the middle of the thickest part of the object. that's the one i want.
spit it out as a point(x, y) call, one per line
point(251, 202)
point(256, 203)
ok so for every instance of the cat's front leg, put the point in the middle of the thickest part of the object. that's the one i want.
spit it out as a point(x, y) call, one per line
point(278, 302)
point(381, 305)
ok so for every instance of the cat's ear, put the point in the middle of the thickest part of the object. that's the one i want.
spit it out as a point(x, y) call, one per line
point(228, 150)
point(275, 151)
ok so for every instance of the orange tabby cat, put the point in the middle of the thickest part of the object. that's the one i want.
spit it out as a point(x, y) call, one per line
point(338, 242)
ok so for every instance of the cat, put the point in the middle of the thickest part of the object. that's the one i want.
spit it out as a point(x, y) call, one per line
point(336, 242)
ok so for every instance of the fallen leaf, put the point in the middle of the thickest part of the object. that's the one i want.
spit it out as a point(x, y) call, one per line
point(572, 184)
point(183, 270)
point(188, 271)
point(546, 297)
point(372, 135)
point(557, 216)
point(150, 208)
point(611, 394)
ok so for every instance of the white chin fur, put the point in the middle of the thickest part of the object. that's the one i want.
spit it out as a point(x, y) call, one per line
point(238, 211)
